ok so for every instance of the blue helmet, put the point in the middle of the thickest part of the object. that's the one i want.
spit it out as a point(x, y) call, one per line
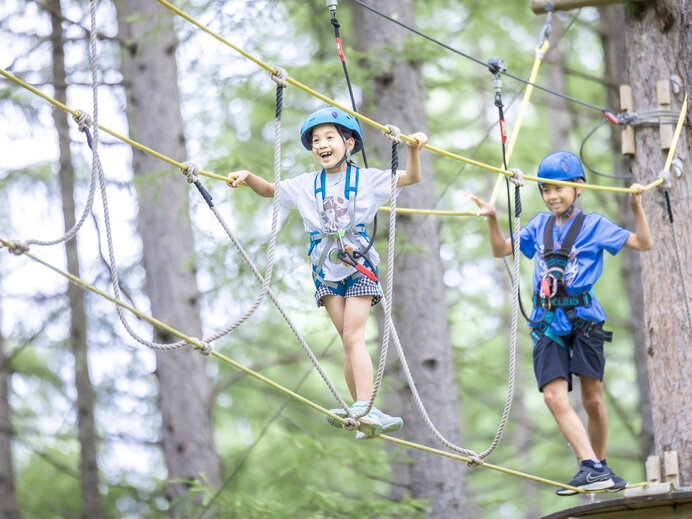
point(335, 116)
point(561, 165)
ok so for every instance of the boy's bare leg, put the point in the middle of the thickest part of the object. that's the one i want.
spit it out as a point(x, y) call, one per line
point(556, 396)
point(594, 404)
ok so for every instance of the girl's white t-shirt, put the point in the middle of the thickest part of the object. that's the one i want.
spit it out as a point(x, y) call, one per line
point(374, 188)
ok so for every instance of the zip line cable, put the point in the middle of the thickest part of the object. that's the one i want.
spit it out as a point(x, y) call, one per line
point(480, 62)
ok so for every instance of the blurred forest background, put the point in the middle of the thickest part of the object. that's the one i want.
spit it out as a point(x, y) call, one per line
point(102, 427)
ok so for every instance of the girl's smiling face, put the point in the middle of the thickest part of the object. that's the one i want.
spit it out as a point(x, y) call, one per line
point(329, 148)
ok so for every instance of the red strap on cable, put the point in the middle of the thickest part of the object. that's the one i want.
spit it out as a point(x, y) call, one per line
point(366, 272)
point(502, 131)
point(611, 117)
point(339, 49)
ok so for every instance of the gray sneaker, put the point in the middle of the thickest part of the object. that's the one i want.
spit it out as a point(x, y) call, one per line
point(618, 483)
point(333, 422)
point(370, 423)
point(389, 423)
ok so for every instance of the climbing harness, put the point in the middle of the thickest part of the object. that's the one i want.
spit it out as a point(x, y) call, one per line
point(335, 236)
point(552, 293)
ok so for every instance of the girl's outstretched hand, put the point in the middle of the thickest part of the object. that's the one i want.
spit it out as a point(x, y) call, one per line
point(236, 177)
point(485, 208)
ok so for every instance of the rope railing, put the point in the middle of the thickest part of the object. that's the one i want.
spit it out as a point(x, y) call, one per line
point(200, 345)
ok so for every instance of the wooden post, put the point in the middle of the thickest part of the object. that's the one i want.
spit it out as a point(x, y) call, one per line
point(663, 99)
point(627, 105)
point(653, 469)
point(539, 6)
point(670, 464)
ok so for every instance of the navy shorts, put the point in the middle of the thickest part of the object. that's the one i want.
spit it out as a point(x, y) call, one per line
point(582, 356)
point(350, 287)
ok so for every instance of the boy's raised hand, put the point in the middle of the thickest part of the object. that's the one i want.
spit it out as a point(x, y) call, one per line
point(485, 208)
point(421, 139)
point(636, 198)
point(236, 177)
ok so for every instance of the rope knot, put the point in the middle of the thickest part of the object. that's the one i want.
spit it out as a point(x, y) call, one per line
point(279, 77)
point(352, 424)
point(18, 247)
point(83, 120)
point(517, 178)
point(476, 461)
point(191, 172)
point(206, 348)
point(393, 134)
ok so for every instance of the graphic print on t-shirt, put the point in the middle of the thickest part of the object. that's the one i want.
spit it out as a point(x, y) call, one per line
point(336, 211)
point(571, 269)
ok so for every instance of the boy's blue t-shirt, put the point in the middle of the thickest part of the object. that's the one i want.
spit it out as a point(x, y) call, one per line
point(584, 266)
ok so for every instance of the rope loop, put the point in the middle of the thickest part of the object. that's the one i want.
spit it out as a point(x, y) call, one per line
point(279, 77)
point(667, 179)
point(83, 120)
point(18, 247)
point(517, 178)
point(393, 134)
point(191, 172)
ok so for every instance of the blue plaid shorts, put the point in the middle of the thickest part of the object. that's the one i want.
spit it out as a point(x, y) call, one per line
point(350, 287)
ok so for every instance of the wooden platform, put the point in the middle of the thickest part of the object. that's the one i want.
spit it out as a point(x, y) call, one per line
point(675, 505)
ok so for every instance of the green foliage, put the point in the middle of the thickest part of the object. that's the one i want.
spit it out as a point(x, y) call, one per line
point(300, 467)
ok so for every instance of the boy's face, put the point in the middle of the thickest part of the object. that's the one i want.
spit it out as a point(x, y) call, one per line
point(328, 146)
point(559, 198)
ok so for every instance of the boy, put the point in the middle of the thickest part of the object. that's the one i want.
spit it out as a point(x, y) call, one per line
point(567, 320)
point(336, 203)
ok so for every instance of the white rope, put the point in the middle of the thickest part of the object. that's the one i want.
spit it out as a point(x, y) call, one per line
point(191, 172)
point(279, 77)
point(517, 178)
point(393, 134)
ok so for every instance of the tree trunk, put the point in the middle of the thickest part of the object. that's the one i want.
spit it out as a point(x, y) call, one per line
point(8, 500)
point(658, 40)
point(419, 309)
point(89, 473)
point(149, 67)
point(614, 57)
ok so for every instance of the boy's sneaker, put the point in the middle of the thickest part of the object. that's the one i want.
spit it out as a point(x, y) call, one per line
point(618, 483)
point(588, 478)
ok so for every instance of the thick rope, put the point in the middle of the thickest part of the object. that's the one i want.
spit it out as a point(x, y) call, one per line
point(388, 323)
point(195, 342)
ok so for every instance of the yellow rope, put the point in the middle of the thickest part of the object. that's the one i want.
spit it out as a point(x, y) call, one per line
point(404, 210)
point(676, 135)
point(200, 346)
point(366, 120)
point(520, 118)
point(129, 141)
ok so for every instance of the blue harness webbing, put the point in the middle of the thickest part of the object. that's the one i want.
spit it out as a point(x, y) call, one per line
point(556, 262)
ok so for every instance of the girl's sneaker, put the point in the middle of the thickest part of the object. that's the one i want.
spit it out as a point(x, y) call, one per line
point(370, 423)
point(389, 423)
